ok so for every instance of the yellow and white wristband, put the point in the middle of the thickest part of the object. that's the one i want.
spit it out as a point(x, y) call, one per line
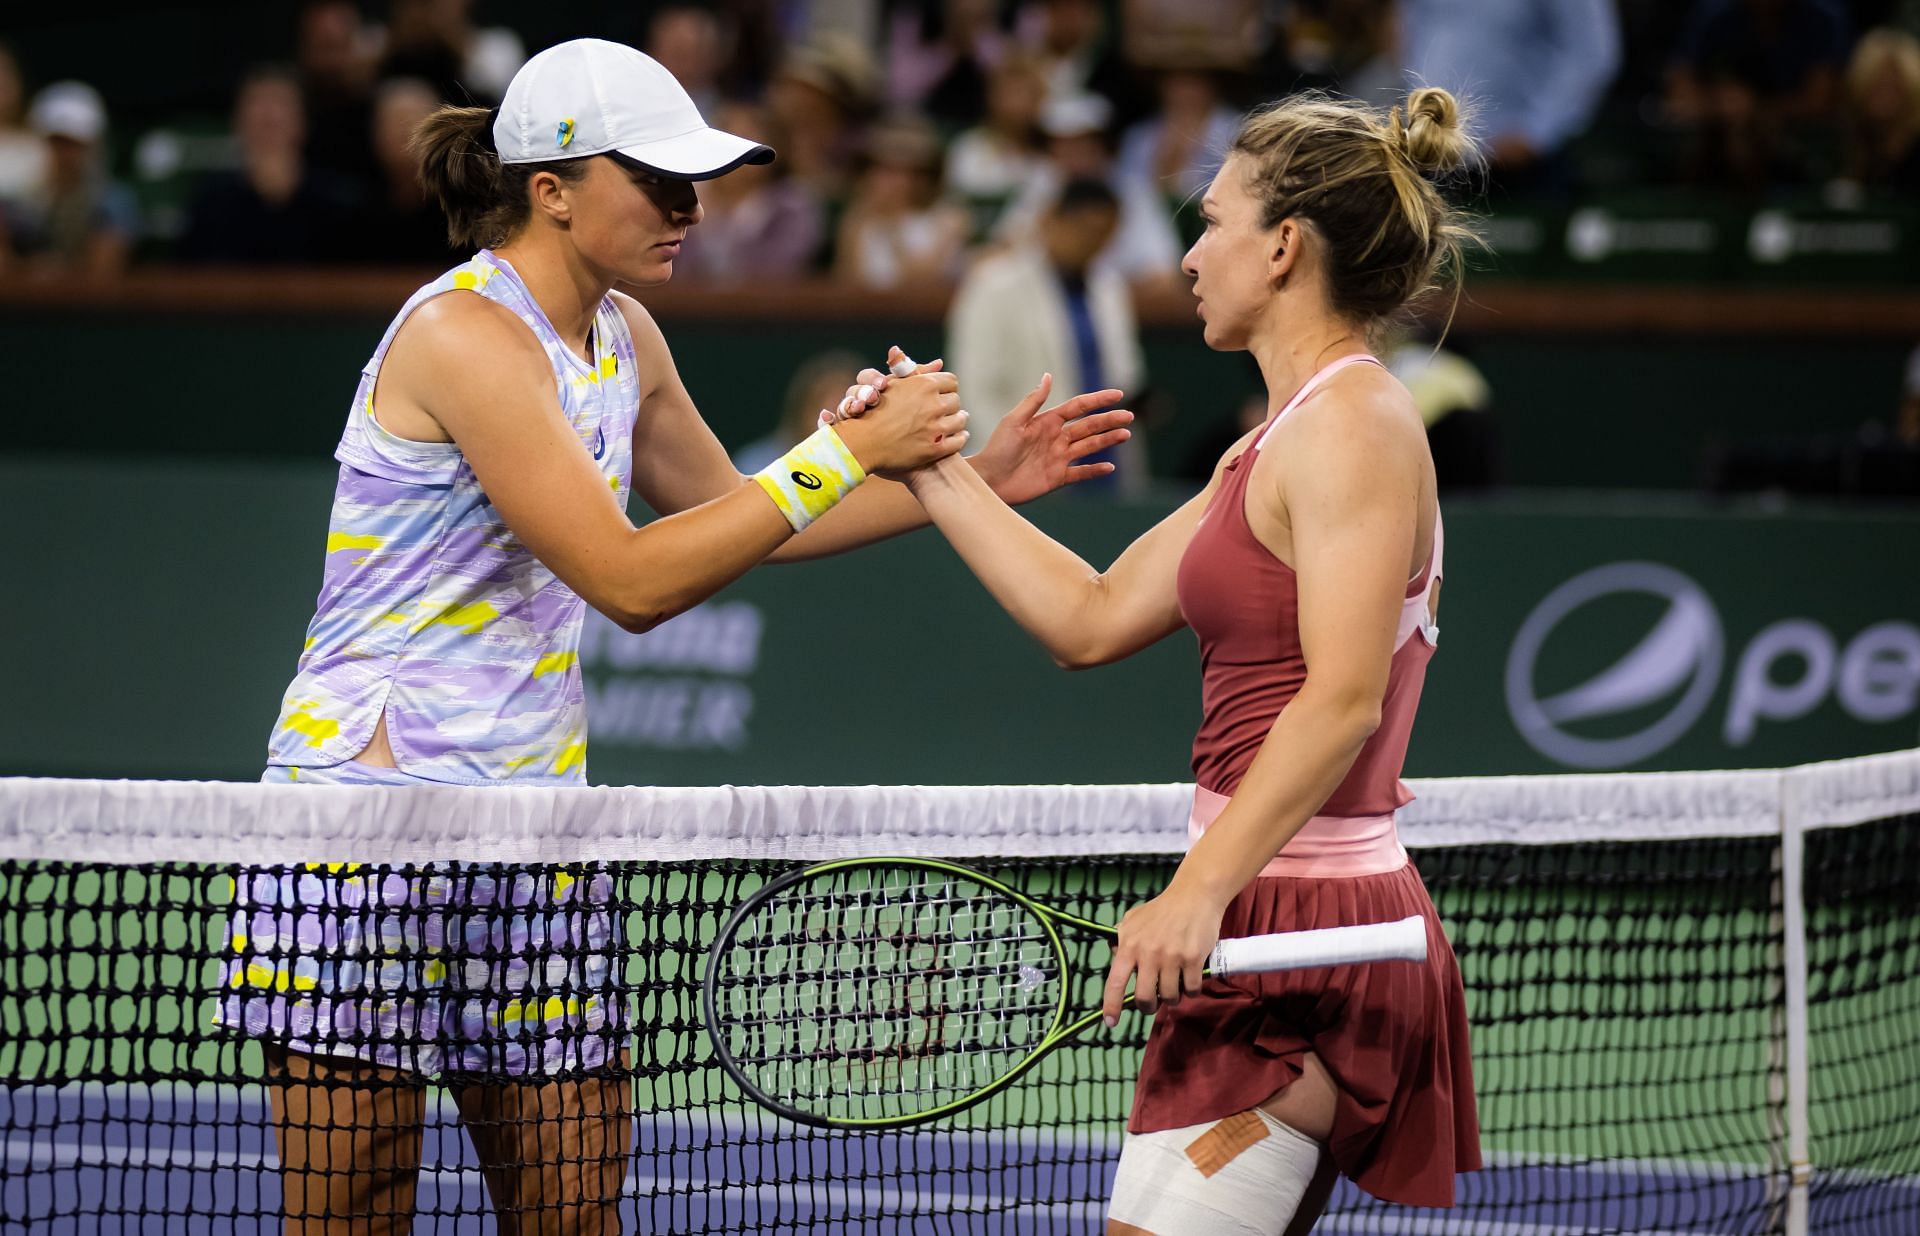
point(806, 481)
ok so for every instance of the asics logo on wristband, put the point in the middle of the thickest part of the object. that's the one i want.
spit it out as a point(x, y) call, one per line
point(811, 477)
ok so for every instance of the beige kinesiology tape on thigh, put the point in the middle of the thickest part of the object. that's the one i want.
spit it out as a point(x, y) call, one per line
point(1241, 1176)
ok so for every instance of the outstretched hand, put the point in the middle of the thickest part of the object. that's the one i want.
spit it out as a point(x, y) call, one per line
point(1032, 453)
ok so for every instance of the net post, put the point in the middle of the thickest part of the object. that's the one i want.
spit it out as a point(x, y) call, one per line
point(1793, 838)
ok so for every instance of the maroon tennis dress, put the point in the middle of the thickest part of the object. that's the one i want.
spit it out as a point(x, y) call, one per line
point(1392, 1035)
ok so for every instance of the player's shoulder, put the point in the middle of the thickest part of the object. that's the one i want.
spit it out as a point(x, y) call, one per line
point(462, 333)
point(464, 317)
point(640, 322)
point(1361, 410)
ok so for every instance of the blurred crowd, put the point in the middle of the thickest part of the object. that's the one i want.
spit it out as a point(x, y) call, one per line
point(917, 134)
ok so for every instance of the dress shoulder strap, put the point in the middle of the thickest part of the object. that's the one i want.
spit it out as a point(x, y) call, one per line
point(1313, 384)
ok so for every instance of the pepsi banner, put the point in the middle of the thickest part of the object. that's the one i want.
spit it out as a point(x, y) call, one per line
point(166, 604)
point(1572, 638)
point(1673, 638)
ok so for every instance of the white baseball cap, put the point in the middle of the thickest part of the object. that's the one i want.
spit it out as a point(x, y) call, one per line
point(591, 97)
point(71, 110)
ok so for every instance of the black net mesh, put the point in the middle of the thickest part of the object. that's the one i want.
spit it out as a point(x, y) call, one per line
point(1863, 1011)
point(1626, 1007)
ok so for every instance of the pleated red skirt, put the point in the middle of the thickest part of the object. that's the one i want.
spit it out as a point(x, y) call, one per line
point(1393, 1036)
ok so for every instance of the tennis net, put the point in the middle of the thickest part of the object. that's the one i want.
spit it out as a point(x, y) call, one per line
point(1695, 997)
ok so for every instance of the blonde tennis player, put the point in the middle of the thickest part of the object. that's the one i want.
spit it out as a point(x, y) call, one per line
point(484, 472)
point(1309, 569)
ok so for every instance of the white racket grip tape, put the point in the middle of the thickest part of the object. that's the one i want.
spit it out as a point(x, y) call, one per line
point(1405, 940)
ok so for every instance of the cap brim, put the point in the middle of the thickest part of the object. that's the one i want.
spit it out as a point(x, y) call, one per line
point(699, 155)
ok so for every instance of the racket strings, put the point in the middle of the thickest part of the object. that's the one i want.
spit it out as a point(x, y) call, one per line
point(870, 992)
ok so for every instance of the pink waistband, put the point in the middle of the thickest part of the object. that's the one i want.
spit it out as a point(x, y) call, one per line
point(1326, 845)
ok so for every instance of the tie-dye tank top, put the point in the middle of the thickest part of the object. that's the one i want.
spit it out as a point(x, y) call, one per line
point(431, 610)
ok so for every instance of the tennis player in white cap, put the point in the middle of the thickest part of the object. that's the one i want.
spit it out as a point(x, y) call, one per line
point(481, 507)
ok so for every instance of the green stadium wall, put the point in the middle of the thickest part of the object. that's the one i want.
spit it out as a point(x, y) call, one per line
point(159, 606)
point(1616, 410)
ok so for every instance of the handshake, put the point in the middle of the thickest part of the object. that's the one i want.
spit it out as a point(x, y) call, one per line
point(897, 422)
point(864, 393)
point(906, 421)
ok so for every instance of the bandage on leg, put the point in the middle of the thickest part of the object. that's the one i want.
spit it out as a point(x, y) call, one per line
point(1241, 1176)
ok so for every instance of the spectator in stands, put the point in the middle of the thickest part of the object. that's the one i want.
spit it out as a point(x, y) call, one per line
point(758, 34)
point(759, 222)
point(941, 55)
point(823, 94)
point(1883, 113)
point(988, 164)
point(78, 220)
point(1080, 55)
point(1533, 70)
point(1046, 306)
point(333, 57)
point(819, 383)
point(1145, 248)
point(1346, 46)
point(436, 41)
point(274, 210)
point(1226, 36)
point(1756, 82)
point(897, 231)
point(398, 224)
point(1179, 148)
point(23, 153)
point(689, 40)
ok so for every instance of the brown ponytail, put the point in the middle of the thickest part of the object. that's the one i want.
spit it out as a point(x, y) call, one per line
point(1365, 181)
point(485, 200)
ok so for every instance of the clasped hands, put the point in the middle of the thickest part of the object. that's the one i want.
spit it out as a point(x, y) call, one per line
point(1030, 452)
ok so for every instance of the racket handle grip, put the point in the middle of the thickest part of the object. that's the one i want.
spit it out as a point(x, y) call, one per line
point(1405, 940)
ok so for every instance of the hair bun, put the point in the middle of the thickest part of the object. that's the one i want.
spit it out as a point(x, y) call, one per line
point(1432, 137)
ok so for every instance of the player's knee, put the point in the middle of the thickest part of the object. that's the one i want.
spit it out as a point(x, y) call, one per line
point(1241, 1176)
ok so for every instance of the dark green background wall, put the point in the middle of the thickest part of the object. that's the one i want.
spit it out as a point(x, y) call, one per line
point(164, 483)
point(157, 608)
point(1603, 412)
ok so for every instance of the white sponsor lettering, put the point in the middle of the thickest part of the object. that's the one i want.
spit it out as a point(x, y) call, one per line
point(722, 637)
point(1594, 235)
point(1784, 673)
point(1513, 234)
point(670, 714)
point(1775, 236)
point(1880, 672)
point(631, 703)
point(1758, 695)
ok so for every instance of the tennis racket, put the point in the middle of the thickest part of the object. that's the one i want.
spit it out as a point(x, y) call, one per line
point(880, 992)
